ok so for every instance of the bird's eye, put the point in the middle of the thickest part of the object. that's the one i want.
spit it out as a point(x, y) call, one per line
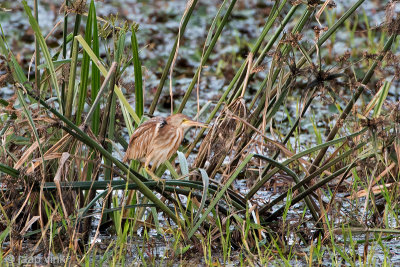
point(184, 120)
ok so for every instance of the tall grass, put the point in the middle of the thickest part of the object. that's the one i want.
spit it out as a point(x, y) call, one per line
point(60, 168)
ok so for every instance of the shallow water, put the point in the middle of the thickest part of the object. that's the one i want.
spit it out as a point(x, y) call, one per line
point(159, 22)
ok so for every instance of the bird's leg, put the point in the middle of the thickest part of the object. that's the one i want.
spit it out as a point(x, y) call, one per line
point(153, 176)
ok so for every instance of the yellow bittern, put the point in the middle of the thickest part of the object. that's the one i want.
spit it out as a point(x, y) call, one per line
point(156, 140)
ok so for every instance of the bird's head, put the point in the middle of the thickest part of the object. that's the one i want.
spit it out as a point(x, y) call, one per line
point(182, 121)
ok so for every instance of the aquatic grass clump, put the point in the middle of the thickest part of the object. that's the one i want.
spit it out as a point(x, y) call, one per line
point(63, 185)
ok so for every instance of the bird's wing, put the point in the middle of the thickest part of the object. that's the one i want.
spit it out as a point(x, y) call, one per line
point(141, 139)
point(165, 144)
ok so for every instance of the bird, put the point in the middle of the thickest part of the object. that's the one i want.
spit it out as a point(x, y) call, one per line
point(157, 139)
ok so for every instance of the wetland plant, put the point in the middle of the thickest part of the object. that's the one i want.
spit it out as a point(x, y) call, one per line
point(318, 187)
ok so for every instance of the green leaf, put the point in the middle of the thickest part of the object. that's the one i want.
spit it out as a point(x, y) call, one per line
point(183, 163)
point(45, 51)
point(71, 83)
point(139, 98)
point(95, 70)
point(9, 170)
point(383, 92)
point(84, 70)
point(206, 182)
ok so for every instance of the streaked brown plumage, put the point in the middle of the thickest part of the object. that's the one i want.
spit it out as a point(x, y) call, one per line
point(156, 140)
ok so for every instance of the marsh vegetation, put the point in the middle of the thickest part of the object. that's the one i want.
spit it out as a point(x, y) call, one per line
point(299, 164)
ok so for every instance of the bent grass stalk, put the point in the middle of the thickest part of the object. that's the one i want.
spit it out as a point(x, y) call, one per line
point(273, 93)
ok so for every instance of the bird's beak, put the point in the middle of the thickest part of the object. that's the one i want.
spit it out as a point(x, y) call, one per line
point(195, 124)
